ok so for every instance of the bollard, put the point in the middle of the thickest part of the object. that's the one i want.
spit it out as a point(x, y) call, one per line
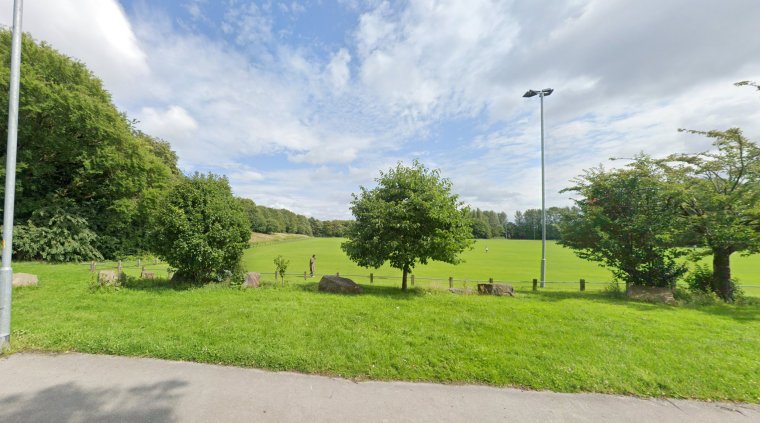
point(412, 280)
point(451, 281)
point(371, 278)
point(583, 284)
point(535, 284)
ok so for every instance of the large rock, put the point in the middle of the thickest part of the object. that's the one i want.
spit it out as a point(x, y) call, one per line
point(650, 293)
point(24, 279)
point(496, 289)
point(330, 283)
point(108, 277)
point(252, 280)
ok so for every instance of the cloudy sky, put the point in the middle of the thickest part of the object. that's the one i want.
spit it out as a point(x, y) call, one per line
point(300, 103)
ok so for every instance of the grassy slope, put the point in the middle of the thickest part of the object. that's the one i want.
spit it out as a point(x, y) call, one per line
point(563, 341)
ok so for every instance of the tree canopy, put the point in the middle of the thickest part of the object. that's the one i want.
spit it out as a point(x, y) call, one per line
point(411, 216)
point(626, 220)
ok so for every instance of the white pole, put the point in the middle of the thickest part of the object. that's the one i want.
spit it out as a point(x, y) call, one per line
point(6, 273)
point(543, 198)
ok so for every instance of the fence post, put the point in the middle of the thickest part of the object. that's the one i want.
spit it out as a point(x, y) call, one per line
point(138, 263)
point(119, 269)
point(371, 278)
point(275, 277)
point(142, 272)
point(535, 284)
point(451, 281)
point(92, 266)
point(304, 275)
point(337, 274)
point(155, 260)
point(490, 280)
point(583, 284)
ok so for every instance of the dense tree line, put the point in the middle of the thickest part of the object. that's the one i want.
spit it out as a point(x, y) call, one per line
point(86, 179)
point(268, 220)
point(525, 225)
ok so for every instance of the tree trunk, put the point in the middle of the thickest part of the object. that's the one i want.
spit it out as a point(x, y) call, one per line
point(722, 274)
point(403, 279)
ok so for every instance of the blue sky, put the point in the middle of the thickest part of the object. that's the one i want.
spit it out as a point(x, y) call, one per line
point(300, 103)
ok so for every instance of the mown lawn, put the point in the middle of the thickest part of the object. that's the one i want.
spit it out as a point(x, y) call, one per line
point(515, 261)
point(561, 341)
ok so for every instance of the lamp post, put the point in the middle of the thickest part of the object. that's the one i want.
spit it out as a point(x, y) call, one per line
point(6, 273)
point(541, 94)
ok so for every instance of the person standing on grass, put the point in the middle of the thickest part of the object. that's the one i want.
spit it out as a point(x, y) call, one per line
point(312, 264)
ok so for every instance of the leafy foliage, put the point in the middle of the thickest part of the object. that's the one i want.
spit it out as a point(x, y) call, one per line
point(410, 217)
point(721, 200)
point(625, 220)
point(201, 230)
point(78, 152)
point(55, 235)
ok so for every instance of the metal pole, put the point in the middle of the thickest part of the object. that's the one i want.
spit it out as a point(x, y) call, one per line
point(543, 199)
point(6, 272)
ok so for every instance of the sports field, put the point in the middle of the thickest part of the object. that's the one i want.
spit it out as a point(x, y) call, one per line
point(513, 261)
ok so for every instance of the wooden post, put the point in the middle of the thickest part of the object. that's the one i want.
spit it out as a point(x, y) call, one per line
point(304, 275)
point(155, 260)
point(138, 263)
point(119, 269)
point(451, 281)
point(535, 284)
point(275, 278)
point(412, 280)
point(371, 278)
point(337, 274)
point(142, 272)
point(583, 284)
point(92, 266)
point(490, 280)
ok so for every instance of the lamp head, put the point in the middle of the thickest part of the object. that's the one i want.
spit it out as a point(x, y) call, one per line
point(530, 93)
point(547, 91)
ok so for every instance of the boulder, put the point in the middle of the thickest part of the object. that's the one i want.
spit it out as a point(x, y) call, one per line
point(252, 280)
point(148, 275)
point(330, 283)
point(107, 277)
point(24, 279)
point(650, 293)
point(498, 289)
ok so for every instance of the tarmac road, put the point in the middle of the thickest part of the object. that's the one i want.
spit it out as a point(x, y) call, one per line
point(97, 388)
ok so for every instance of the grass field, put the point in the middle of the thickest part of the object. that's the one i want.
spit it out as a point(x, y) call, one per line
point(515, 261)
point(564, 341)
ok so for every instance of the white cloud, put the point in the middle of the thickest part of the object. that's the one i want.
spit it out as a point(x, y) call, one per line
point(95, 32)
point(173, 123)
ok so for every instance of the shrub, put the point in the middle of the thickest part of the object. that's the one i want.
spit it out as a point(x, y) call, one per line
point(201, 230)
point(55, 235)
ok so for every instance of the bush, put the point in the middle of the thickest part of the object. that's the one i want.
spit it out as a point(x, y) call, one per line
point(201, 230)
point(55, 235)
point(700, 281)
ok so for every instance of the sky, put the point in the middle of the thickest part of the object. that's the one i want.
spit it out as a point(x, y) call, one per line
point(301, 103)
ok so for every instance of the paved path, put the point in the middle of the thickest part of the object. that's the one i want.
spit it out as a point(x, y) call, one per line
point(81, 387)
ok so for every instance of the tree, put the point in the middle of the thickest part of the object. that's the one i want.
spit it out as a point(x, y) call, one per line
point(411, 216)
point(625, 219)
point(78, 154)
point(201, 229)
point(721, 190)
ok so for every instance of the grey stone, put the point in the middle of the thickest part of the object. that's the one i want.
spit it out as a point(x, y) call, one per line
point(650, 293)
point(24, 279)
point(252, 280)
point(330, 283)
point(498, 289)
point(107, 277)
point(148, 275)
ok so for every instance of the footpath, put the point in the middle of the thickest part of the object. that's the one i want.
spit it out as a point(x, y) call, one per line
point(96, 388)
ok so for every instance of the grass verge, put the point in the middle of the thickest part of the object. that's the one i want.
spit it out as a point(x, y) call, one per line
point(560, 341)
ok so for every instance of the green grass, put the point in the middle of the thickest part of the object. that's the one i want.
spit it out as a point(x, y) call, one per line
point(561, 341)
point(515, 261)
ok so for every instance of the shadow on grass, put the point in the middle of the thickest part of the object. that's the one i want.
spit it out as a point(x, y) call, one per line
point(390, 292)
point(157, 285)
point(744, 313)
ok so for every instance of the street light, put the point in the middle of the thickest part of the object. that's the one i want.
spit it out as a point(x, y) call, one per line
point(541, 94)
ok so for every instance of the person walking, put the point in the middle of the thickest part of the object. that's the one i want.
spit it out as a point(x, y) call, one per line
point(312, 264)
